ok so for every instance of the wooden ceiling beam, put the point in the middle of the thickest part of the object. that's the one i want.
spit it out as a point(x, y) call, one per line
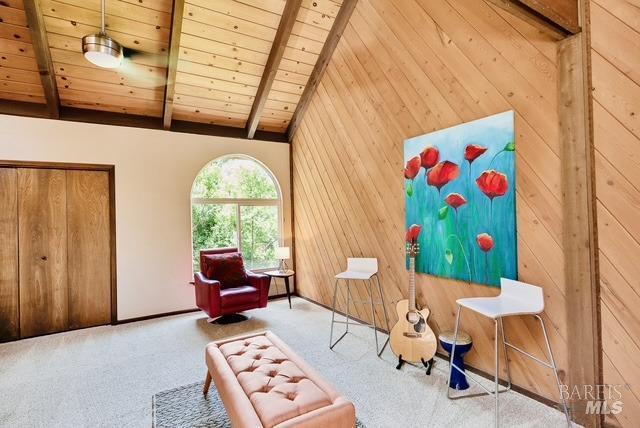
point(21, 108)
point(73, 114)
point(172, 63)
point(278, 47)
point(340, 23)
point(559, 18)
point(40, 43)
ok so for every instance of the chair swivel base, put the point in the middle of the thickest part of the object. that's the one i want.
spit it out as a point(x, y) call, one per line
point(228, 319)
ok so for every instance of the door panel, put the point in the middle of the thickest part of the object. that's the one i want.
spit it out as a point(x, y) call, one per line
point(42, 227)
point(9, 301)
point(88, 232)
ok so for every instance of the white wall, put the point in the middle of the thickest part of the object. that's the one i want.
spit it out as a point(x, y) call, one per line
point(154, 171)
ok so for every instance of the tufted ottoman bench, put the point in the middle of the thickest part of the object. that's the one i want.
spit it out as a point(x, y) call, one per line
point(263, 383)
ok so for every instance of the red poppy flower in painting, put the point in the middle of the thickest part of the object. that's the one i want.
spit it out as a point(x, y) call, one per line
point(412, 233)
point(485, 242)
point(455, 200)
point(473, 152)
point(412, 168)
point(442, 173)
point(429, 157)
point(493, 183)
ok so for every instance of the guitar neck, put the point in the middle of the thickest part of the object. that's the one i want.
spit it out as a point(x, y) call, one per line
point(412, 283)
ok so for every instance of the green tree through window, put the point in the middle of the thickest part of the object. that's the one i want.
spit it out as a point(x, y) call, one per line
point(235, 202)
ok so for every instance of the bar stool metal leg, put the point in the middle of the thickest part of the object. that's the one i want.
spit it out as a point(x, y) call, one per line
point(384, 310)
point(333, 317)
point(453, 349)
point(373, 314)
point(555, 370)
point(506, 355)
point(497, 378)
point(347, 314)
point(384, 307)
point(348, 303)
point(469, 376)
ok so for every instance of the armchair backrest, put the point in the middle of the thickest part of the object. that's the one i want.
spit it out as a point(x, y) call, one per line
point(207, 251)
point(225, 265)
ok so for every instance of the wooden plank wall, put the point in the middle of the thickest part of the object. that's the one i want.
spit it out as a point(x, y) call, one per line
point(402, 69)
point(615, 33)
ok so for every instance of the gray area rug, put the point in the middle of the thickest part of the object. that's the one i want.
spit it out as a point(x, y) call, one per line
point(186, 406)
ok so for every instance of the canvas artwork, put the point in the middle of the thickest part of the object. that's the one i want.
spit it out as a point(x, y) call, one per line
point(460, 188)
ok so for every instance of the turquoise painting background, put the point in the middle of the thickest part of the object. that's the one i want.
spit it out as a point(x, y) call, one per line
point(448, 246)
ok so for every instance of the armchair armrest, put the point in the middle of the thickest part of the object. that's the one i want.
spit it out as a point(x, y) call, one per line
point(262, 283)
point(203, 280)
point(207, 294)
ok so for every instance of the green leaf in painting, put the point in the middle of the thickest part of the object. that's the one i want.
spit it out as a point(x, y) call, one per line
point(448, 255)
point(510, 147)
point(442, 212)
point(409, 191)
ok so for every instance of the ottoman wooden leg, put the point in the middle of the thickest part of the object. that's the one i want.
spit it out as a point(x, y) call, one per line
point(207, 383)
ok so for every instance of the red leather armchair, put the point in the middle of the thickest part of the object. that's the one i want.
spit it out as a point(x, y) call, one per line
point(224, 287)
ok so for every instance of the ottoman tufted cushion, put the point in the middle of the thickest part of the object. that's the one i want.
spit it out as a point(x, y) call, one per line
point(276, 384)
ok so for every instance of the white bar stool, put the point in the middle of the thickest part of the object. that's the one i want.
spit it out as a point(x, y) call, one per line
point(516, 298)
point(359, 269)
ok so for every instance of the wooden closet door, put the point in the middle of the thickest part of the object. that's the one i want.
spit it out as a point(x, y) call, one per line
point(42, 230)
point(9, 301)
point(89, 254)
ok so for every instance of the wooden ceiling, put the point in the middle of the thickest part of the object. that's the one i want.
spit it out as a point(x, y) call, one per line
point(19, 78)
point(199, 61)
point(244, 68)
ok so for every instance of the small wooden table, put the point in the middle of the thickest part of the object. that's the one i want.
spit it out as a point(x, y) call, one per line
point(284, 275)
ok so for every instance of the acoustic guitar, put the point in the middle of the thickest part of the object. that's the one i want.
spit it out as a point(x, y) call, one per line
point(411, 337)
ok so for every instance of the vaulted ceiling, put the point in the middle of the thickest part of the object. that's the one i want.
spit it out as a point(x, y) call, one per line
point(232, 63)
point(20, 80)
point(244, 68)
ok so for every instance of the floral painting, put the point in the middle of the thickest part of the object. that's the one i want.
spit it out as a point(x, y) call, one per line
point(460, 188)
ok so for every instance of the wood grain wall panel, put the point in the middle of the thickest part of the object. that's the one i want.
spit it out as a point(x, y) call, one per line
point(615, 35)
point(42, 226)
point(402, 69)
point(89, 249)
point(9, 291)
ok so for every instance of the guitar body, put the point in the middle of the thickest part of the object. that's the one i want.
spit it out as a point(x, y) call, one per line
point(413, 340)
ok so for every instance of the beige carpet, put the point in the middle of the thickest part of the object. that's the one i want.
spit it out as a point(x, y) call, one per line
point(106, 376)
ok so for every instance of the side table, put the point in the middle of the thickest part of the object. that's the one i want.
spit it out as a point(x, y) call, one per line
point(284, 275)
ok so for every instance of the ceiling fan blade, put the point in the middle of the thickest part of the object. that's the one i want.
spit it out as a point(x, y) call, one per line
point(146, 58)
point(142, 76)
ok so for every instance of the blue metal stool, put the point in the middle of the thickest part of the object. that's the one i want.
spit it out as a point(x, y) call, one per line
point(457, 380)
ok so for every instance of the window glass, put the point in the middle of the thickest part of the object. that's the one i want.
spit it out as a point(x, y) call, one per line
point(213, 226)
point(234, 178)
point(235, 203)
point(259, 236)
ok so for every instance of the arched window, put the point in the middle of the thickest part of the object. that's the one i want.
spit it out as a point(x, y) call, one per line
point(236, 202)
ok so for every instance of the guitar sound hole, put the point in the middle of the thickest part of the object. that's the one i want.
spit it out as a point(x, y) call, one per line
point(418, 323)
point(413, 317)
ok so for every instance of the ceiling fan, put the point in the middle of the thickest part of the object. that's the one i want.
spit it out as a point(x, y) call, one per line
point(106, 52)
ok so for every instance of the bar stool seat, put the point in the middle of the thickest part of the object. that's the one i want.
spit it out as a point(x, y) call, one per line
point(359, 269)
point(501, 306)
point(354, 275)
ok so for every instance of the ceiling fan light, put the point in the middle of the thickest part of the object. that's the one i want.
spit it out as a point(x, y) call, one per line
point(102, 50)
